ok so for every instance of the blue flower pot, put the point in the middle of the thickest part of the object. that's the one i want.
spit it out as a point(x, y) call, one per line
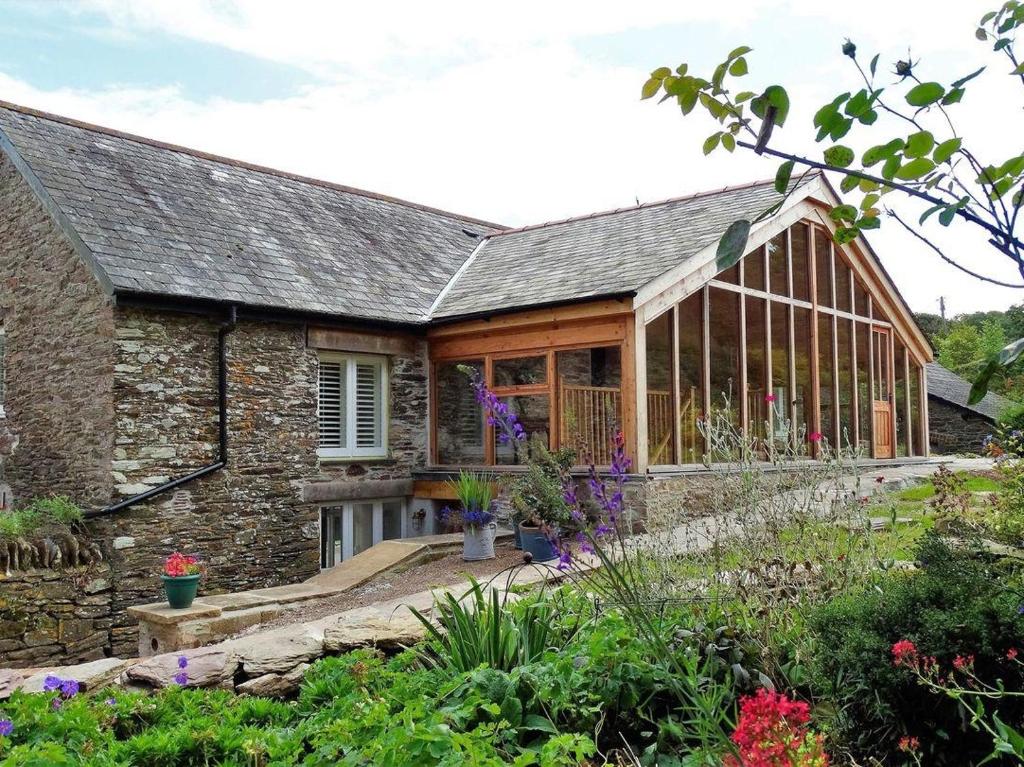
point(535, 541)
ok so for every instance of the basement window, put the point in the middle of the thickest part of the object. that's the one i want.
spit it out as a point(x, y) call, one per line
point(350, 528)
point(352, 406)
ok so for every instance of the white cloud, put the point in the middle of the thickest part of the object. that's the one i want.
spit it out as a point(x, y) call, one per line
point(513, 123)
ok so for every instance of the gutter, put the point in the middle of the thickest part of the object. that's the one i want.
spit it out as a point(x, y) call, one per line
point(225, 328)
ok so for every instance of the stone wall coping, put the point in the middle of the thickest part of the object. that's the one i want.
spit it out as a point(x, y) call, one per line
point(164, 614)
point(349, 490)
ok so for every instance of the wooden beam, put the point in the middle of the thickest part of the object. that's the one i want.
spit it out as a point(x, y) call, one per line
point(333, 339)
point(562, 335)
point(601, 309)
point(630, 394)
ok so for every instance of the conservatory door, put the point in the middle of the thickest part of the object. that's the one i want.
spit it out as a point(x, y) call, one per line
point(883, 404)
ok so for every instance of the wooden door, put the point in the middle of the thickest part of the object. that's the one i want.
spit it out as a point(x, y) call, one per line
point(882, 407)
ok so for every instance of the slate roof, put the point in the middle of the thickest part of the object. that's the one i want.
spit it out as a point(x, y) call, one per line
point(598, 255)
point(171, 221)
point(946, 385)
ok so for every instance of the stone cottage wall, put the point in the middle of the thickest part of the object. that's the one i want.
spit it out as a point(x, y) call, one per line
point(954, 430)
point(54, 614)
point(59, 356)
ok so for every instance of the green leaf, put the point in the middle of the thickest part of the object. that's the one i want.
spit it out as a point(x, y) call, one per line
point(741, 51)
point(924, 94)
point(868, 222)
point(729, 142)
point(915, 169)
point(919, 144)
point(711, 142)
point(661, 73)
point(946, 216)
point(782, 176)
point(843, 213)
point(892, 165)
point(738, 68)
point(839, 156)
point(930, 212)
point(733, 244)
point(874, 65)
point(846, 234)
point(869, 201)
point(946, 149)
point(744, 96)
point(849, 183)
point(953, 97)
point(964, 80)
point(651, 87)
point(981, 34)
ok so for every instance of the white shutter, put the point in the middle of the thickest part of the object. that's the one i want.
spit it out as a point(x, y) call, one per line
point(368, 405)
point(332, 405)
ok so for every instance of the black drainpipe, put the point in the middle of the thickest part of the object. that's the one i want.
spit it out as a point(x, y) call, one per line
point(222, 389)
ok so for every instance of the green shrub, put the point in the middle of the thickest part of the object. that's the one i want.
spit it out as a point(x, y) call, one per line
point(40, 515)
point(538, 495)
point(1005, 523)
point(955, 605)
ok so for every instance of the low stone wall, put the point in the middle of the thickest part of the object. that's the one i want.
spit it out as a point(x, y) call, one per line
point(953, 430)
point(54, 613)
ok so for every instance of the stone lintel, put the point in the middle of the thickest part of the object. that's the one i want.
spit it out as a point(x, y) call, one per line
point(335, 339)
point(354, 490)
point(162, 613)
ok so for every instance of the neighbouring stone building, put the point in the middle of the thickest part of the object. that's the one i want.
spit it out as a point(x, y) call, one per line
point(262, 369)
point(954, 426)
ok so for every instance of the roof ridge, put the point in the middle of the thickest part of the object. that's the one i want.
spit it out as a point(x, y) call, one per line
point(642, 206)
point(238, 163)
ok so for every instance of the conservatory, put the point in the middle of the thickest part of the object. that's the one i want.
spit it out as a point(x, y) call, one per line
point(803, 345)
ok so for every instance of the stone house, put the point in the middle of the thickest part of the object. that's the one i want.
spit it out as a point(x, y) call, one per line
point(261, 368)
point(954, 426)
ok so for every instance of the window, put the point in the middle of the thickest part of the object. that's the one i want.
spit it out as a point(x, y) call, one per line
point(724, 351)
point(590, 401)
point(459, 417)
point(352, 408)
point(660, 446)
point(350, 528)
point(778, 265)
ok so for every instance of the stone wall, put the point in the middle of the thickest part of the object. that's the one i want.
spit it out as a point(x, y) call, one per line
point(59, 356)
point(54, 614)
point(954, 430)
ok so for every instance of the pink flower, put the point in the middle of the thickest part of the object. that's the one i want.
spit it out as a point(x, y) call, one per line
point(814, 436)
point(909, 744)
point(961, 663)
point(904, 653)
point(178, 564)
point(769, 398)
point(1011, 654)
point(772, 731)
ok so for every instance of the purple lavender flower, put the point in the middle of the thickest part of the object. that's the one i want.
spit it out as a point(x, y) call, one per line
point(477, 518)
point(6, 728)
point(69, 688)
point(499, 414)
point(51, 683)
point(182, 661)
point(181, 678)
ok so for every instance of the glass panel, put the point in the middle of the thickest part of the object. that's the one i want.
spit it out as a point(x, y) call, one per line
point(803, 419)
point(330, 537)
point(368, 404)
point(732, 275)
point(589, 385)
point(691, 376)
point(916, 422)
point(801, 263)
point(533, 412)
point(900, 373)
point(660, 447)
point(823, 258)
point(843, 281)
point(860, 299)
point(778, 265)
point(460, 419)
point(844, 349)
point(757, 369)
point(753, 270)
point(724, 337)
point(393, 511)
point(520, 371)
point(362, 527)
point(781, 398)
point(881, 351)
point(826, 378)
point(331, 405)
point(864, 402)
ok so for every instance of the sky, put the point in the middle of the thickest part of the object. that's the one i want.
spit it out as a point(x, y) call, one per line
point(517, 113)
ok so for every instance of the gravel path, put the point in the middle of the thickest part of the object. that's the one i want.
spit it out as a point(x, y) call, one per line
point(449, 569)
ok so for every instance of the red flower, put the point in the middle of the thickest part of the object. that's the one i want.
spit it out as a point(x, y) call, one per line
point(769, 397)
point(910, 744)
point(1011, 654)
point(904, 653)
point(814, 436)
point(961, 663)
point(178, 564)
point(772, 732)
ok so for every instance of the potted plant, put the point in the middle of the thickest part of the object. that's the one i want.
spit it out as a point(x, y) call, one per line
point(181, 579)
point(476, 515)
point(538, 502)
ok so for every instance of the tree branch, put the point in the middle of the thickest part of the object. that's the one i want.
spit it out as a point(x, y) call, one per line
point(908, 190)
point(946, 258)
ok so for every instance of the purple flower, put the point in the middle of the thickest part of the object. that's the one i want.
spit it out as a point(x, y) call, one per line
point(51, 683)
point(182, 661)
point(181, 678)
point(6, 728)
point(564, 559)
point(499, 414)
point(69, 688)
point(111, 701)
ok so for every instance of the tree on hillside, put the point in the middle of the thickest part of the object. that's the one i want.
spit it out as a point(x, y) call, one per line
point(926, 158)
